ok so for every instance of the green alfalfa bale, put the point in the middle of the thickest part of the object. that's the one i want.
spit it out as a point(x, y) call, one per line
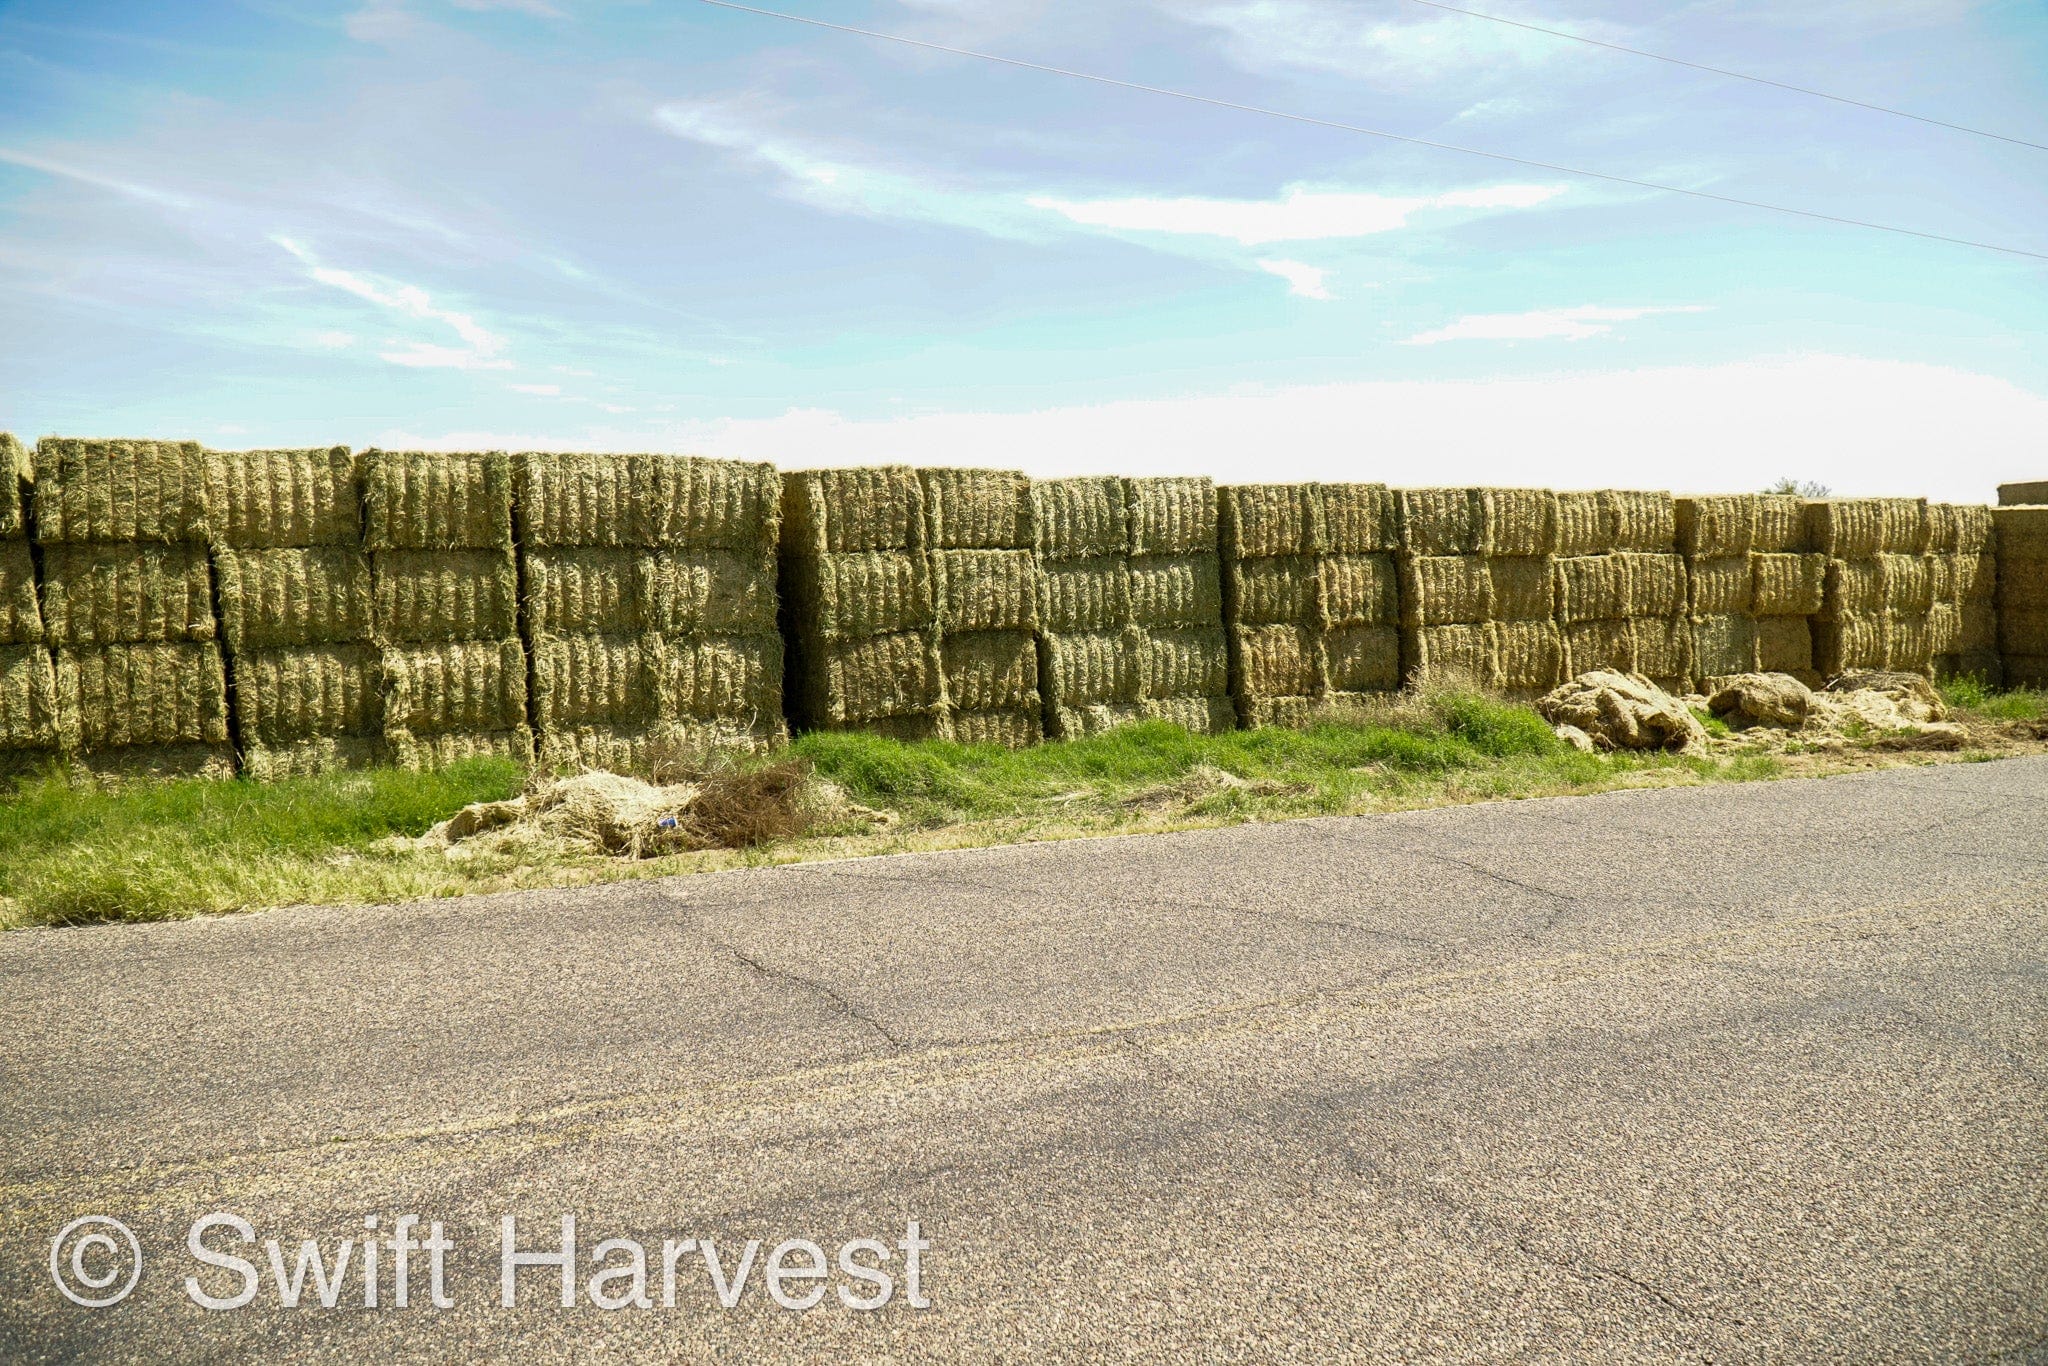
point(1464, 652)
point(273, 498)
point(1442, 590)
point(1083, 594)
point(444, 595)
point(151, 491)
point(1198, 715)
point(1601, 643)
point(28, 699)
point(1009, 728)
point(1361, 659)
point(1281, 589)
point(587, 499)
point(126, 594)
point(1441, 522)
point(852, 511)
point(1849, 642)
point(1716, 526)
point(1781, 524)
point(852, 594)
point(1095, 718)
point(128, 696)
point(1358, 519)
point(853, 682)
point(1787, 584)
point(1358, 590)
point(1722, 585)
point(580, 680)
point(585, 590)
point(1666, 650)
point(1591, 588)
point(432, 500)
point(319, 754)
point(1080, 518)
point(711, 592)
point(1521, 588)
point(719, 504)
point(1171, 516)
point(1275, 661)
point(1282, 713)
point(296, 693)
point(306, 595)
point(969, 509)
point(1531, 655)
point(1641, 519)
point(430, 751)
point(1089, 667)
point(731, 678)
point(1855, 528)
point(1520, 522)
point(991, 670)
point(21, 617)
point(1722, 646)
point(985, 590)
point(1657, 584)
point(16, 470)
point(1261, 521)
point(1784, 645)
point(475, 687)
point(1176, 590)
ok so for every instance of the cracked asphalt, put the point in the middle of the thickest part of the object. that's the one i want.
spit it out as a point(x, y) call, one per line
point(1721, 1073)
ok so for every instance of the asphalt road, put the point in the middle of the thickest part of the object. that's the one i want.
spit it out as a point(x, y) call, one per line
point(1735, 1073)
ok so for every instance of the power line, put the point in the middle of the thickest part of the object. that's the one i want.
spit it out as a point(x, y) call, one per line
point(1736, 75)
point(1378, 132)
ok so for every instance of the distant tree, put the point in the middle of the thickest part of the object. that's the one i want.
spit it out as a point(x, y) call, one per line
point(1804, 488)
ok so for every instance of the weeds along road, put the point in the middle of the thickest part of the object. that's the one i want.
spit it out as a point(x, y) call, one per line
point(1741, 1072)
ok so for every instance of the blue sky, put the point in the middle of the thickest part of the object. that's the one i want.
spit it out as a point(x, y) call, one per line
point(610, 225)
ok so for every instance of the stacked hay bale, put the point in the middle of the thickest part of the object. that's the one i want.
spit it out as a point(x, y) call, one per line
point(1622, 587)
point(444, 585)
point(1477, 581)
point(2022, 547)
point(28, 682)
point(305, 673)
point(1310, 598)
point(1963, 626)
point(127, 599)
point(1879, 590)
point(1130, 605)
point(978, 530)
point(647, 590)
point(2023, 495)
point(1755, 584)
point(860, 616)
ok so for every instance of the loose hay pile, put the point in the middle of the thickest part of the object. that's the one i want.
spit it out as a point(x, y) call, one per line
point(648, 605)
point(127, 602)
point(1310, 598)
point(1130, 605)
point(444, 586)
point(297, 609)
point(28, 681)
point(1478, 598)
point(1623, 711)
point(2022, 537)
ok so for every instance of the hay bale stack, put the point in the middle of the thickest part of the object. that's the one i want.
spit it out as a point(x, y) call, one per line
point(1788, 580)
point(444, 615)
point(1176, 597)
point(1620, 586)
point(859, 610)
point(28, 681)
point(978, 530)
point(2021, 537)
point(127, 602)
point(1476, 581)
point(297, 611)
point(2023, 495)
point(1879, 589)
point(648, 605)
point(16, 470)
point(1963, 624)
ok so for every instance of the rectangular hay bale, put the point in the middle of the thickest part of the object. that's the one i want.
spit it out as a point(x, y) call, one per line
point(1530, 655)
point(16, 469)
point(275, 498)
point(1716, 526)
point(1591, 588)
point(1263, 521)
point(306, 595)
point(1362, 659)
point(852, 511)
point(1080, 518)
point(1175, 590)
point(1276, 661)
point(1359, 590)
point(1598, 644)
point(1441, 521)
point(991, 670)
point(1722, 585)
point(1451, 653)
point(119, 697)
point(1272, 591)
point(1781, 525)
point(267, 763)
point(1521, 588)
point(706, 504)
point(1584, 523)
point(853, 594)
point(1849, 641)
point(1444, 590)
point(432, 500)
point(438, 750)
point(860, 681)
point(733, 678)
point(297, 693)
point(1641, 519)
point(1721, 646)
point(1171, 515)
point(1657, 584)
point(1213, 715)
point(443, 595)
point(1787, 584)
point(985, 590)
point(1520, 522)
point(584, 680)
point(126, 594)
point(588, 499)
point(28, 699)
point(1010, 728)
point(1855, 528)
point(1784, 644)
point(21, 616)
point(972, 509)
point(1083, 594)
point(117, 491)
point(1358, 519)
point(475, 687)
point(1086, 668)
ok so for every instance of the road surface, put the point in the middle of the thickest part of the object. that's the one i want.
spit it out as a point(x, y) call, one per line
point(1730, 1073)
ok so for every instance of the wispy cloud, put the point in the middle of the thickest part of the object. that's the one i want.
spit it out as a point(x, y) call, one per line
point(1309, 282)
point(85, 175)
point(481, 349)
point(1300, 213)
point(1567, 324)
point(1378, 42)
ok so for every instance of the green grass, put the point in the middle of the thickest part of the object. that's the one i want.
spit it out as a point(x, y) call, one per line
point(1971, 695)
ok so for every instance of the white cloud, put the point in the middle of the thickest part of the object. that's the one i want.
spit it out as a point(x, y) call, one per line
point(1301, 213)
point(1859, 426)
point(1569, 324)
point(85, 175)
point(1384, 44)
point(543, 390)
point(481, 348)
point(1302, 279)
